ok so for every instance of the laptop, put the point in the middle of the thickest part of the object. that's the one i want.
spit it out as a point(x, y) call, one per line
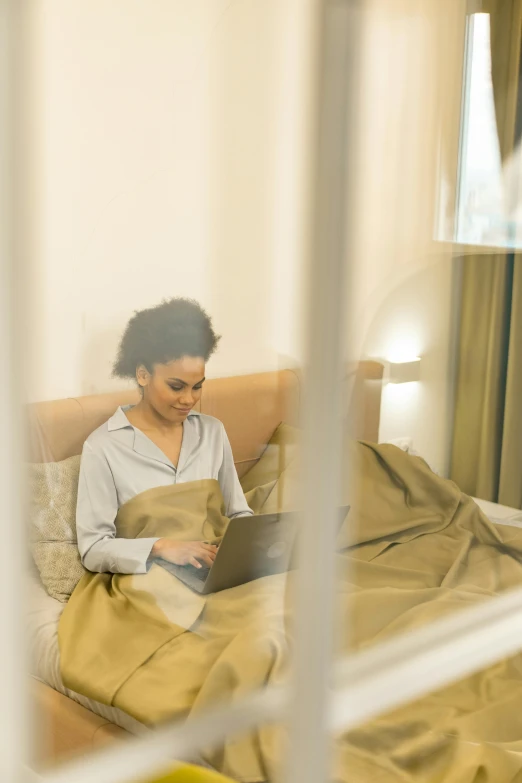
point(252, 547)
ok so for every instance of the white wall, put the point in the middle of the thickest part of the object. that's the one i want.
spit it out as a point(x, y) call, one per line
point(155, 134)
point(404, 292)
point(169, 153)
point(416, 317)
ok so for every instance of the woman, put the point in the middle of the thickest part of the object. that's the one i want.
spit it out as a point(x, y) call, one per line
point(158, 442)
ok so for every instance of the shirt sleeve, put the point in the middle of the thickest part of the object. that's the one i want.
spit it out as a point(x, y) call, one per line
point(235, 501)
point(96, 511)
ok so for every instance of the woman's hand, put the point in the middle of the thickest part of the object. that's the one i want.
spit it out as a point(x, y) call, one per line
point(184, 552)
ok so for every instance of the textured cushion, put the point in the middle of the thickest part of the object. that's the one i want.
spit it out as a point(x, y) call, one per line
point(53, 490)
point(272, 475)
point(280, 452)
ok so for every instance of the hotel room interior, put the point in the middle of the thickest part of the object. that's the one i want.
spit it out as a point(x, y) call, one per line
point(338, 183)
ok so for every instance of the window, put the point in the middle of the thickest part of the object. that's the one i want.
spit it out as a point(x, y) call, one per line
point(488, 210)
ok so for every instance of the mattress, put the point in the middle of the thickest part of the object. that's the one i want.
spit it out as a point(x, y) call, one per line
point(44, 615)
point(44, 655)
point(500, 515)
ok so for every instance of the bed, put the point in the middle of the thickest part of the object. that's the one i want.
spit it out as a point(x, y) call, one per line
point(501, 515)
point(251, 407)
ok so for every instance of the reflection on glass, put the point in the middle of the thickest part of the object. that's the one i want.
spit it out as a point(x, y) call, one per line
point(488, 210)
point(481, 215)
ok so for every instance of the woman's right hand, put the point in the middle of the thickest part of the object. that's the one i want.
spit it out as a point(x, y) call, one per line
point(184, 552)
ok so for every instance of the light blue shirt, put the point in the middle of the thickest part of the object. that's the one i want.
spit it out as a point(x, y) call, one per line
point(119, 461)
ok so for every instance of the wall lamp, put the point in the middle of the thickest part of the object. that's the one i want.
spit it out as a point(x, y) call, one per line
point(404, 371)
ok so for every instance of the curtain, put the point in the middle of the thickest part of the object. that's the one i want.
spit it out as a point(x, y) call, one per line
point(505, 31)
point(487, 437)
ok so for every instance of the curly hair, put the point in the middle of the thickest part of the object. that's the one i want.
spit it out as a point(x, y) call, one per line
point(159, 335)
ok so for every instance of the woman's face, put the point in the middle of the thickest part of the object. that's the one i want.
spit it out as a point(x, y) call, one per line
point(173, 389)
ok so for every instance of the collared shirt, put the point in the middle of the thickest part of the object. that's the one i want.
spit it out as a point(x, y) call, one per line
point(119, 461)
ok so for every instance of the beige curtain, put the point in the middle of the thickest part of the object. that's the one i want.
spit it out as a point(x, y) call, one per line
point(487, 437)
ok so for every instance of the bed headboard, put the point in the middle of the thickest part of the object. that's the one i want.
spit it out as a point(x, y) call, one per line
point(250, 407)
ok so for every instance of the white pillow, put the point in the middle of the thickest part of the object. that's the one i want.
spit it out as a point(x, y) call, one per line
point(406, 444)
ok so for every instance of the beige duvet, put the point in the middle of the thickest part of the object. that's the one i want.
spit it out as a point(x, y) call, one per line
point(412, 549)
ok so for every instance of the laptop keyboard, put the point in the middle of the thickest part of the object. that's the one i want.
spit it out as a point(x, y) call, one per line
point(199, 573)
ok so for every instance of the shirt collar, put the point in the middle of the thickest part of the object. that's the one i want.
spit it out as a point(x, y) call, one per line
point(119, 420)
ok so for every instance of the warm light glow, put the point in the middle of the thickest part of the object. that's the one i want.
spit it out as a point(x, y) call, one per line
point(403, 384)
point(402, 355)
point(399, 410)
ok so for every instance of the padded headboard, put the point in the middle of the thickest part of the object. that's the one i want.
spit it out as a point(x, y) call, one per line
point(250, 407)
